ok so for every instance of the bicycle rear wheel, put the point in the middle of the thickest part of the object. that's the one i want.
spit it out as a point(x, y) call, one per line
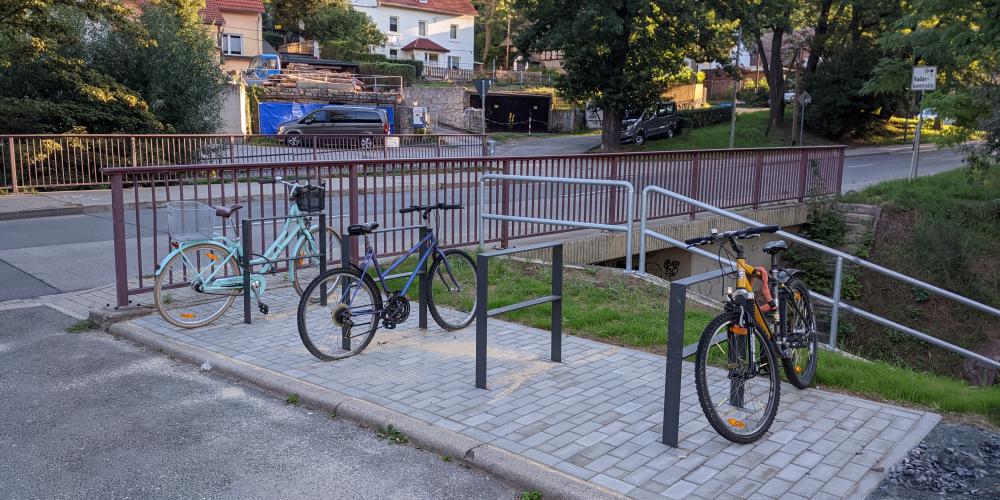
point(178, 290)
point(453, 289)
point(737, 380)
point(345, 322)
point(799, 327)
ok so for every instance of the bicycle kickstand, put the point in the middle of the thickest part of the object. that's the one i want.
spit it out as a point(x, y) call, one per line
point(255, 288)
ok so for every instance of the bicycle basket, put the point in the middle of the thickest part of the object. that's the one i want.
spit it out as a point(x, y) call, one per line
point(310, 199)
point(190, 220)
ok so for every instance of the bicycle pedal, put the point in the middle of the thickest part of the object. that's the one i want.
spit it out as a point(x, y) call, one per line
point(389, 325)
point(263, 308)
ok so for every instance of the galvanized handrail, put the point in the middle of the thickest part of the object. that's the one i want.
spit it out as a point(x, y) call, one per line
point(624, 228)
point(841, 256)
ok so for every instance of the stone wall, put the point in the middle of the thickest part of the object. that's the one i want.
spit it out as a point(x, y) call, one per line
point(448, 103)
point(566, 120)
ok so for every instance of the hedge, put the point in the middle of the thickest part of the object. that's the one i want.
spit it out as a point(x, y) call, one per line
point(417, 65)
point(703, 117)
point(407, 71)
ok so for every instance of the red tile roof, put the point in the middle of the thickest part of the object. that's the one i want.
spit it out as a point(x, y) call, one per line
point(446, 6)
point(424, 44)
point(210, 14)
point(241, 5)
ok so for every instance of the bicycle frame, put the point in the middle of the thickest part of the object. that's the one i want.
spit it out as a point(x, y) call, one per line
point(371, 261)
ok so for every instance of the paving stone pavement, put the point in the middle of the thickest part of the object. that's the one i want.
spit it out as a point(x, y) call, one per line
point(596, 416)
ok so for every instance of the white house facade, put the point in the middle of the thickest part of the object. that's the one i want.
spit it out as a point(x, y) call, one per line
point(437, 32)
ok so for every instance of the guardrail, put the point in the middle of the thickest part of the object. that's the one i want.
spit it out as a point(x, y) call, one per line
point(63, 161)
point(373, 189)
point(624, 228)
point(482, 300)
point(835, 301)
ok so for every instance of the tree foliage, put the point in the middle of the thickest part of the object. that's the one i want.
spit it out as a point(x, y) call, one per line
point(620, 54)
point(179, 46)
point(343, 31)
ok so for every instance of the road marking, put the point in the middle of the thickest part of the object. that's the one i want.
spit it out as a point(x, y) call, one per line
point(862, 165)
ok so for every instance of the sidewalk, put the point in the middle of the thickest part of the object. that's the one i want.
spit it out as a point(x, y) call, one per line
point(591, 424)
point(890, 149)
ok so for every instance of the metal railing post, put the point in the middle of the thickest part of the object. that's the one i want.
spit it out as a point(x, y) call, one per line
point(345, 261)
point(424, 285)
point(246, 234)
point(135, 157)
point(505, 207)
point(13, 165)
point(353, 203)
point(758, 178)
point(803, 172)
point(613, 195)
point(630, 214)
point(322, 257)
point(695, 182)
point(675, 350)
point(835, 312)
point(482, 286)
point(557, 291)
point(643, 216)
point(232, 149)
point(118, 227)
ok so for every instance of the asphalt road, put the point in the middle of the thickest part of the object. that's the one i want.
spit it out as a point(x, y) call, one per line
point(86, 416)
point(68, 253)
point(861, 171)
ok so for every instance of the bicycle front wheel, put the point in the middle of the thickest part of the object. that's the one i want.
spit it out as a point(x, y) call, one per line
point(736, 377)
point(453, 290)
point(338, 314)
point(799, 327)
point(190, 290)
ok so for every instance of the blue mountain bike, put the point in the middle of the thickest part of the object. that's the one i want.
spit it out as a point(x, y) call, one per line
point(341, 309)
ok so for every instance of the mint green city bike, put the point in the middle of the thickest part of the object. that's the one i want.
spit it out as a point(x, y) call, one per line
point(201, 277)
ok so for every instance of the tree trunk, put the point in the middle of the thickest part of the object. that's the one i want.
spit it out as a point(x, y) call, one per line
point(488, 28)
point(819, 37)
point(776, 83)
point(611, 130)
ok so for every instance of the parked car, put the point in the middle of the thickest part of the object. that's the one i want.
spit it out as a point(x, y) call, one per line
point(336, 120)
point(660, 120)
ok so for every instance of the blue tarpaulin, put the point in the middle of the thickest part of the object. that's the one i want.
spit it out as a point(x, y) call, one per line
point(273, 114)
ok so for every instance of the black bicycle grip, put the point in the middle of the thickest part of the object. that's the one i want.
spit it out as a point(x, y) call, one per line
point(762, 229)
point(413, 208)
point(695, 241)
point(451, 206)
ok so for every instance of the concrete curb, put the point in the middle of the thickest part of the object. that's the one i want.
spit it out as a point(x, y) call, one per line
point(516, 470)
point(874, 477)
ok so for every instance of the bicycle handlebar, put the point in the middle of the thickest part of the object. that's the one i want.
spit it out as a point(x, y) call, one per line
point(428, 208)
point(732, 235)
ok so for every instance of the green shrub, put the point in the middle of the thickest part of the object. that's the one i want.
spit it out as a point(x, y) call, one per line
point(417, 65)
point(754, 93)
point(695, 118)
point(408, 72)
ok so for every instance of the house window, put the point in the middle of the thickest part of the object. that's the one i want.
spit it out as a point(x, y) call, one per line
point(393, 54)
point(422, 28)
point(454, 62)
point(431, 57)
point(393, 24)
point(454, 32)
point(232, 45)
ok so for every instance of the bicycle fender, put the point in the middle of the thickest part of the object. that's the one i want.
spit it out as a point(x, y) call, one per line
point(180, 248)
point(785, 275)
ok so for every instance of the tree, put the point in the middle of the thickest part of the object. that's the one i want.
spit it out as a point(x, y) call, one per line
point(963, 40)
point(620, 54)
point(343, 30)
point(177, 73)
point(46, 84)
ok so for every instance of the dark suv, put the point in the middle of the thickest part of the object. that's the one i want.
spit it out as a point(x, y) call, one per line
point(337, 120)
point(660, 120)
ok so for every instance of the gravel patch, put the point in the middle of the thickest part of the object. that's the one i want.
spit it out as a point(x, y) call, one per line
point(953, 461)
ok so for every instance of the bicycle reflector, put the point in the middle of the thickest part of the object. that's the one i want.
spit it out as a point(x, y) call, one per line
point(736, 423)
point(187, 315)
point(737, 330)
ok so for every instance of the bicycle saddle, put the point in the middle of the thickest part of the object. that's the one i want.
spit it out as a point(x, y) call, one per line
point(359, 229)
point(227, 212)
point(776, 246)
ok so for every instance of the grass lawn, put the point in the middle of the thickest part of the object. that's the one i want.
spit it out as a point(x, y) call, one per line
point(892, 132)
point(502, 137)
point(749, 134)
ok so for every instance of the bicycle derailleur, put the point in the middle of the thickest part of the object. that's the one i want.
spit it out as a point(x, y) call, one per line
point(397, 310)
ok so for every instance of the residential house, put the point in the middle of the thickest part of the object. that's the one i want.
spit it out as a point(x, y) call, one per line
point(438, 32)
point(240, 36)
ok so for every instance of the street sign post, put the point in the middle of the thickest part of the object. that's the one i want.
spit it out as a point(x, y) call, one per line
point(804, 100)
point(482, 86)
point(924, 78)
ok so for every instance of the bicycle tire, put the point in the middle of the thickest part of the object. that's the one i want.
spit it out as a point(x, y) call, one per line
point(799, 376)
point(305, 302)
point(332, 258)
point(160, 298)
point(432, 303)
point(704, 394)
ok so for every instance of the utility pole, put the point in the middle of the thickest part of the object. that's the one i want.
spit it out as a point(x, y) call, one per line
point(507, 57)
point(795, 101)
point(736, 89)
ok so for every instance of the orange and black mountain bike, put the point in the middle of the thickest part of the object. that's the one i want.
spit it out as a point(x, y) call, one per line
point(735, 369)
